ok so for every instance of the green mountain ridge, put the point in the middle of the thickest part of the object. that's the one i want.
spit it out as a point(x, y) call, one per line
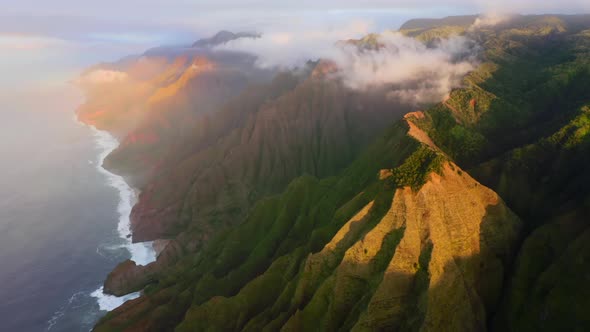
point(407, 232)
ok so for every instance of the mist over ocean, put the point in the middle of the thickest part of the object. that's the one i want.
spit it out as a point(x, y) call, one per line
point(60, 229)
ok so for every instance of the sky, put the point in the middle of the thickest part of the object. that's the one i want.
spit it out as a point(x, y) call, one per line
point(44, 41)
point(172, 21)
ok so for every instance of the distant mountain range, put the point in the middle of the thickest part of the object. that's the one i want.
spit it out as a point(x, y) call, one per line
point(223, 37)
point(290, 201)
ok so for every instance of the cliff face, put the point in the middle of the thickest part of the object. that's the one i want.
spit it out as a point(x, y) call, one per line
point(129, 277)
point(443, 246)
point(354, 252)
point(396, 230)
point(424, 244)
point(209, 140)
point(156, 100)
point(528, 140)
point(118, 105)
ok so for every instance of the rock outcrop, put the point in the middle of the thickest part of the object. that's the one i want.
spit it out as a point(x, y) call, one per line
point(128, 277)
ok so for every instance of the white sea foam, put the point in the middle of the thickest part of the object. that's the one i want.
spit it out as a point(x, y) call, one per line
point(120, 245)
point(141, 253)
point(111, 302)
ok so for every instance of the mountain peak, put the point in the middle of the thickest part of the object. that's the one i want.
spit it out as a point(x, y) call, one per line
point(223, 37)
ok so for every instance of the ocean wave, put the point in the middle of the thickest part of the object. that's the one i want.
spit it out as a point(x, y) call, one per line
point(114, 249)
point(110, 302)
point(61, 312)
point(141, 253)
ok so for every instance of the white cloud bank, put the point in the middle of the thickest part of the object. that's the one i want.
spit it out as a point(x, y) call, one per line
point(491, 19)
point(412, 71)
point(415, 72)
point(290, 48)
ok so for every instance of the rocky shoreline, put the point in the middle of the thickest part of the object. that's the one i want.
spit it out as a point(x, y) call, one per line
point(142, 254)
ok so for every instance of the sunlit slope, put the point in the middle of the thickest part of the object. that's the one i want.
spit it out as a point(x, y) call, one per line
point(399, 263)
point(521, 127)
point(406, 235)
point(400, 217)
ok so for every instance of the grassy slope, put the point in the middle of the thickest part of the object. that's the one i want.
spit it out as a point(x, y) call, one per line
point(278, 131)
point(288, 226)
point(529, 106)
point(527, 138)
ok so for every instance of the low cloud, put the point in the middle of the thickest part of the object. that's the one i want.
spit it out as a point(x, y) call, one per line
point(291, 48)
point(413, 72)
point(23, 42)
point(490, 19)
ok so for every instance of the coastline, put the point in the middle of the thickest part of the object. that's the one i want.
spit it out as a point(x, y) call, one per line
point(141, 253)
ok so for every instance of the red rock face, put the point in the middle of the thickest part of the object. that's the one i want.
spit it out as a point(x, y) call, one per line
point(122, 106)
point(158, 102)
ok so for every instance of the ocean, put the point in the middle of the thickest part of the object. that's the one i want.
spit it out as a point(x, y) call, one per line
point(64, 220)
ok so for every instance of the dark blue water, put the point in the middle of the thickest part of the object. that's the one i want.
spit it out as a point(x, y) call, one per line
point(59, 217)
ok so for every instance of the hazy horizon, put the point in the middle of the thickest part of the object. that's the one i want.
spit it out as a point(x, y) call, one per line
point(49, 44)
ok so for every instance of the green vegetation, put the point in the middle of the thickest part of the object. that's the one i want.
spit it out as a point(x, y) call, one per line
point(280, 231)
point(461, 142)
point(520, 125)
point(435, 34)
point(417, 167)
